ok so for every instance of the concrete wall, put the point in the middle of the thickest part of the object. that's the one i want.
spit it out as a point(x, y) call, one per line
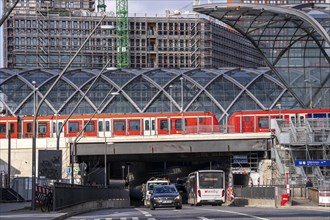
point(21, 155)
point(255, 202)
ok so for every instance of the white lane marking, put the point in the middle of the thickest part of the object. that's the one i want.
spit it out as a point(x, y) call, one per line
point(151, 219)
point(135, 218)
point(237, 213)
point(108, 218)
point(123, 218)
point(203, 218)
point(146, 214)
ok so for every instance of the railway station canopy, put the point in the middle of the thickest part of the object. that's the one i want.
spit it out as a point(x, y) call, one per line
point(221, 91)
point(293, 39)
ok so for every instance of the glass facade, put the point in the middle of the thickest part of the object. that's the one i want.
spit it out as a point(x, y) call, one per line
point(221, 91)
point(295, 44)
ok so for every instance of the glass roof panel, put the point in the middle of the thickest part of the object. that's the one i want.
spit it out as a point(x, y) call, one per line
point(120, 104)
point(120, 77)
point(3, 76)
point(99, 91)
point(265, 91)
point(242, 76)
point(205, 104)
point(14, 91)
point(38, 76)
point(201, 77)
point(161, 77)
point(141, 91)
point(244, 102)
point(78, 77)
point(223, 91)
point(162, 104)
point(59, 94)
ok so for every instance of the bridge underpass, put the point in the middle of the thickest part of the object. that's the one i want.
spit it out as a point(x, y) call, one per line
point(175, 158)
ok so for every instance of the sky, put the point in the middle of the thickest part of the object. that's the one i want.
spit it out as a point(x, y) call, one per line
point(152, 7)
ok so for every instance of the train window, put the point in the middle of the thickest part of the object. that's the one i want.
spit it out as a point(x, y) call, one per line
point(134, 125)
point(263, 122)
point(42, 128)
point(153, 127)
point(178, 123)
point(200, 120)
point(146, 125)
point(100, 125)
point(29, 127)
point(90, 127)
point(107, 126)
point(12, 127)
point(54, 127)
point(119, 126)
point(73, 126)
point(247, 118)
point(164, 125)
point(2, 128)
point(60, 126)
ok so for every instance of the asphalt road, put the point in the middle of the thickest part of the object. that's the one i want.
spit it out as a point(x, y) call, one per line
point(205, 213)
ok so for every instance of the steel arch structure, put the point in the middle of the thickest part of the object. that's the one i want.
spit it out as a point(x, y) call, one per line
point(221, 91)
point(294, 40)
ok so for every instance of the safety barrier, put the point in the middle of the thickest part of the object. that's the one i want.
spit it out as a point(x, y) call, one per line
point(67, 195)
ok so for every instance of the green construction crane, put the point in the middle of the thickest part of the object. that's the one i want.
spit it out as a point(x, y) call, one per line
point(122, 33)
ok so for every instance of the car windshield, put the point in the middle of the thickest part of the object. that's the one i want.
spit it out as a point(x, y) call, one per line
point(165, 189)
point(152, 185)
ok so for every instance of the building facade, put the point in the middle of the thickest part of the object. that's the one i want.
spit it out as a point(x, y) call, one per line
point(48, 37)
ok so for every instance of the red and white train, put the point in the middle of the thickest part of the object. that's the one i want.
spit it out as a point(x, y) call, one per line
point(147, 124)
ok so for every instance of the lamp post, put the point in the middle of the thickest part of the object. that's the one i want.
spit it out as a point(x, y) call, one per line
point(105, 161)
point(34, 135)
point(123, 172)
point(58, 133)
point(171, 87)
point(80, 132)
point(182, 118)
point(33, 202)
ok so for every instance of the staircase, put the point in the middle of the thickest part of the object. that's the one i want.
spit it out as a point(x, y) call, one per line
point(10, 195)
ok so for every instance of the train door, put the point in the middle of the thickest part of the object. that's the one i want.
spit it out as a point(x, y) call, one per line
point(248, 123)
point(301, 120)
point(149, 126)
point(56, 126)
point(104, 127)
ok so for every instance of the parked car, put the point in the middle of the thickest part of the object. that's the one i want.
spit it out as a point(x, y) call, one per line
point(165, 196)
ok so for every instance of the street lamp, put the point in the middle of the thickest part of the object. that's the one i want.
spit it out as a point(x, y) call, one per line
point(80, 132)
point(34, 135)
point(33, 203)
point(107, 27)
